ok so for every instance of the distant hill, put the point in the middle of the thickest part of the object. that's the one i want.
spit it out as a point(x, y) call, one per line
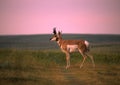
point(42, 41)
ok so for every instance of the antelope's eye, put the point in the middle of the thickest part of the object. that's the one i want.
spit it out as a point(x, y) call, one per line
point(57, 39)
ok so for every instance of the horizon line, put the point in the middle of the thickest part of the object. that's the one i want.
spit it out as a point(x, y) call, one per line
point(62, 33)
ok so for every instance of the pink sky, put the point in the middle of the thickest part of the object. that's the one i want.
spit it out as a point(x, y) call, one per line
point(69, 16)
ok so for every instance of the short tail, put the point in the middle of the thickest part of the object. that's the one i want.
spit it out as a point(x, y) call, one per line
point(87, 46)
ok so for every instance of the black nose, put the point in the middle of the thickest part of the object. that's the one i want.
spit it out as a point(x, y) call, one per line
point(50, 38)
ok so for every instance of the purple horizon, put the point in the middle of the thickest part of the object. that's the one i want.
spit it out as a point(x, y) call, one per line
point(69, 16)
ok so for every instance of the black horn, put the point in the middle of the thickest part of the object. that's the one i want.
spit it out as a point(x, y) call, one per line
point(54, 30)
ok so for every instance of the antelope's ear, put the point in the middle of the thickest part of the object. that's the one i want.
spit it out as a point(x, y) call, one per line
point(59, 33)
point(54, 31)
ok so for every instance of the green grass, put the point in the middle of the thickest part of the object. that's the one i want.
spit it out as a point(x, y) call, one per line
point(47, 67)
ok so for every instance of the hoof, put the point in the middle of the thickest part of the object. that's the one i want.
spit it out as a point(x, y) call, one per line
point(81, 66)
point(67, 67)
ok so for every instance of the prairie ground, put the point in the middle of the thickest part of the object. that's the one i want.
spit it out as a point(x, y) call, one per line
point(47, 67)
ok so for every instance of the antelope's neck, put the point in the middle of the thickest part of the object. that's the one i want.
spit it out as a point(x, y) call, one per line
point(59, 42)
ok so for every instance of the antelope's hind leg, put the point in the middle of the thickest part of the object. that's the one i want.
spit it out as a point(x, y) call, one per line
point(84, 58)
point(92, 59)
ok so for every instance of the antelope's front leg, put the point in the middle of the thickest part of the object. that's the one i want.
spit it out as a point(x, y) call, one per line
point(67, 60)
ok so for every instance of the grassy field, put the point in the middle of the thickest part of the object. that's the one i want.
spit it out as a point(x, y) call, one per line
point(47, 67)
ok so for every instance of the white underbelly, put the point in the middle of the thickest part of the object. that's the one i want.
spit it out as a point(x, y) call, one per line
point(72, 48)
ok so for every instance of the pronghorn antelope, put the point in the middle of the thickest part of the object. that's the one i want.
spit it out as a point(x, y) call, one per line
point(68, 46)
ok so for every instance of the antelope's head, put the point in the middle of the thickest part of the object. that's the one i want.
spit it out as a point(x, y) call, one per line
point(56, 36)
